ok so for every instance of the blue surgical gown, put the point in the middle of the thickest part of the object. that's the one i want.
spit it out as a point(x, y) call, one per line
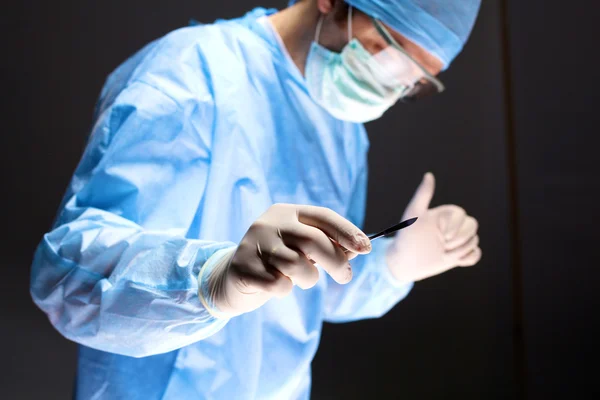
point(193, 138)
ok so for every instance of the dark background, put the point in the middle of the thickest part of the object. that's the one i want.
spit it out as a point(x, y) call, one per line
point(512, 141)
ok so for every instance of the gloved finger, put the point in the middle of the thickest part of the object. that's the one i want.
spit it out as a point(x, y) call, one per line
point(466, 232)
point(295, 266)
point(336, 227)
point(465, 249)
point(450, 220)
point(260, 279)
point(315, 245)
point(420, 201)
point(282, 286)
point(350, 255)
point(470, 259)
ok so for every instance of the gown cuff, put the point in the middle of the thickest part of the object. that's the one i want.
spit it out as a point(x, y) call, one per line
point(214, 261)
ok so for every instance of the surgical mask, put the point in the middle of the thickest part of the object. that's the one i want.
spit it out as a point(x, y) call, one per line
point(353, 85)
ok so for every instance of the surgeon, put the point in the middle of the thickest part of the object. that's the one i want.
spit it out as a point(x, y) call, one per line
point(212, 224)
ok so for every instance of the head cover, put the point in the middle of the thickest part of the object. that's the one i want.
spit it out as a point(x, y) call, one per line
point(441, 27)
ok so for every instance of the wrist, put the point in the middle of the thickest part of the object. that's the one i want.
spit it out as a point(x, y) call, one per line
point(211, 281)
point(394, 269)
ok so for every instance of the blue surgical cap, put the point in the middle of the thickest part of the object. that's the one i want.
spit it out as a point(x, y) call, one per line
point(441, 27)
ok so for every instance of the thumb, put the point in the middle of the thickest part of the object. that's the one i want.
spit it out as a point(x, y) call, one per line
point(422, 197)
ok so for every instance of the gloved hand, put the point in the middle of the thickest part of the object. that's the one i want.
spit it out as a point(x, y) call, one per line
point(278, 251)
point(442, 238)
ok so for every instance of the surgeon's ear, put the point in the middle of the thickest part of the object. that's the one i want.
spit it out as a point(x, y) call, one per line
point(326, 6)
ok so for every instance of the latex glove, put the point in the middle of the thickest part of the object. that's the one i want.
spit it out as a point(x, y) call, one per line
point(442, 238)
point(279, 250)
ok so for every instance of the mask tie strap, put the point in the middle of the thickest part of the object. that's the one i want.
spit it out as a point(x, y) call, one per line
point(318, 31)
point(320, 25)
point(349, 24)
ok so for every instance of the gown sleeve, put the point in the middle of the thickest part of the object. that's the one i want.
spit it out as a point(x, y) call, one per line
point(117, 273)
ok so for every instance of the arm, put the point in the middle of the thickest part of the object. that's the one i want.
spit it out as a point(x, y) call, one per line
point(117, 273)
point(373, 290)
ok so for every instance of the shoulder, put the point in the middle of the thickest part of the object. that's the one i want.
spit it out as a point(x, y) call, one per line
point(185, 63)
point(175, 66)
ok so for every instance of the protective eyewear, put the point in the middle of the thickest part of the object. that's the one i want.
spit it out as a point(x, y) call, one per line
point(426, 85)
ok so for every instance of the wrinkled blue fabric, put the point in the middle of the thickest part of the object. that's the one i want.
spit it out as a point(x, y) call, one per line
point(441, 27)
point(194, 137)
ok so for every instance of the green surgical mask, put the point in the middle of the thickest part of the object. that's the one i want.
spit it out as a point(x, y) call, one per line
point(352, 85)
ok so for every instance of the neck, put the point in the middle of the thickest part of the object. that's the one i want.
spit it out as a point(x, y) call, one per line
point(296, 26)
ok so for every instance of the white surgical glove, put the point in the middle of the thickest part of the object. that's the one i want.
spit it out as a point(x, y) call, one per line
point(278, 251)
point(442, 238)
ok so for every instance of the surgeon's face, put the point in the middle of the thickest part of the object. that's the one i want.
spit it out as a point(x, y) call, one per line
point(335, 34)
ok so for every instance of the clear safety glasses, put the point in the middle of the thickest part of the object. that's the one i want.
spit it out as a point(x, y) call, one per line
point(419, 82)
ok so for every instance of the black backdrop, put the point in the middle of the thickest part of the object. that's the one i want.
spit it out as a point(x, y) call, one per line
point(512, 141)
